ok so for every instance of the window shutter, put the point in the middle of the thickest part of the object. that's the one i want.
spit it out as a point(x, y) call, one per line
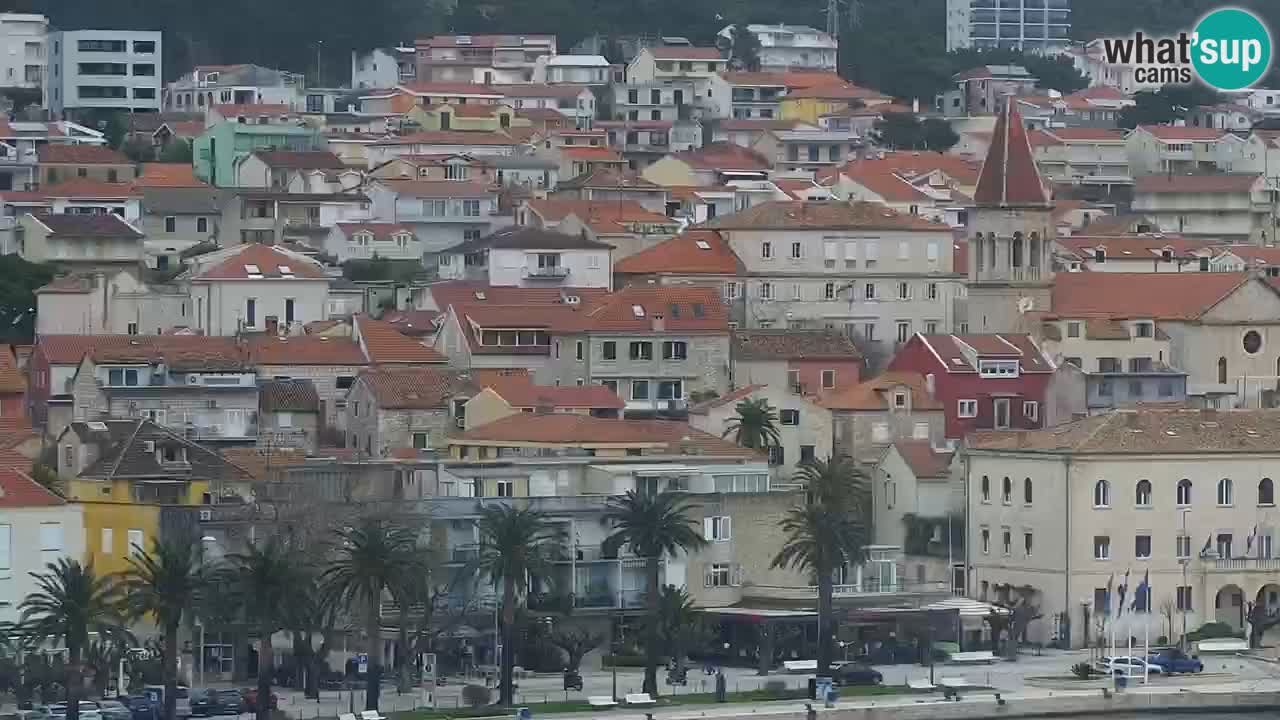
point(706, 528)
point(726, 527)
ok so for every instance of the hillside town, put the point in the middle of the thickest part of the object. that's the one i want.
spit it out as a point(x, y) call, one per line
point(506, 361)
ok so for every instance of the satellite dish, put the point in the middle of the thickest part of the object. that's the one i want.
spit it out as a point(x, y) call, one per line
point(1026, 305)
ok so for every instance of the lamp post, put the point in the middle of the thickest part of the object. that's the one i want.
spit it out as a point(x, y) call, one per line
point(1185, 562)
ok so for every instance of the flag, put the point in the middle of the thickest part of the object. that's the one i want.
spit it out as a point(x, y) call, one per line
point(1124, 586)
point(1208, 543)
point(1248, 543)
point(1140, 594)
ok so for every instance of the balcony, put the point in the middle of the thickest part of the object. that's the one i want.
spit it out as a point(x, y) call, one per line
point(869, 588)
point(1247, 564)
point(554, 273)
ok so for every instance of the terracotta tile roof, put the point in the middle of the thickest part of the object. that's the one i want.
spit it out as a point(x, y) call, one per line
point(448, 88)
point(18, 490)
point(60, 153)
point(603, 179)
point(288, 396)
point(758, 345)
point(12, 380)
point(792, 80)
point(835, 91)
point(449, 137)
point(683, 309)
point(231, 110)
point(923, 460)
point(379, 230)
point(539, 90)
point(1255, 254)
point(414, 323)
point(1100, 92)
point(264, 464)
point(520, 392)
point(71, 349)
point(454, 292)
point(267, 349)
point(1158, 296)
point(676, 52)
point(185, 128)
point(1109, 225)
point(415, 388)
point(108, 225)
point(723, 156)
point(167, 175)
point(86, 188)
point(1197, 184)
point(1133, 247)
point(269, 261)
point(568, 429)
point(1163, 431)
point(887, 184)
point(123, 453)
point(911, 164)
point(1009, 176)
point(960, 353)
point(874, 393)
point(732, 396)
point(591, 153)
point(553, 318)
point(438, 188)
point(385, 345)
point(522, 237)
point(691, 252)
point(554, 209)
point(472, 111)
point(301, 159)
point(1175, 134)
point(179, 352)
point(795, 215)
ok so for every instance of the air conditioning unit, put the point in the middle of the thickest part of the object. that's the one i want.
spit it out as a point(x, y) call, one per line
point(206, 515)
point(215, 429)
point(460, 422)
point(572, 300)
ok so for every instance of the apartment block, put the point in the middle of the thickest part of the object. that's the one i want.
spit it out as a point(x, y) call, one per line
point(113, 70)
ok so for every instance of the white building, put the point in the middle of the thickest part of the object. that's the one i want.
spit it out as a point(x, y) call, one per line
point(442, 213)
point(23, 56)
point(520, 256)
point(1226, 207)
point(792, 47)
point(383, 67)
point(364, 240)
point(252, 287)
point(571, 69)
point(36, 528)
point(103, 70)
point(1033, 25)
point(234, 85)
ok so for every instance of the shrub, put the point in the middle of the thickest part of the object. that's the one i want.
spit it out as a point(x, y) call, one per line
point(775, 688)
point(1213, 630)
point(1082, 670)
point(475, 695)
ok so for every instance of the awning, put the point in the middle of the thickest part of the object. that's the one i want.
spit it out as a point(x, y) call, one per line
point(968, 608)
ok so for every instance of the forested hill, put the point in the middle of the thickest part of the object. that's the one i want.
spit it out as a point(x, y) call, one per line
point(898, 46)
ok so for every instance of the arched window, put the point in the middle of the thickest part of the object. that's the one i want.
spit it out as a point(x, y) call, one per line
point(1142, 494)
point(1026, 491)
point(1222, 371)
point(1102, 494)
point(991, 250)
point(978, 240)
point(1266, 492)
point(1034, 255)
point(1006, 490)
point(986, 489)
point(1015, 250)
point(1184, 492)
point(1224, 491)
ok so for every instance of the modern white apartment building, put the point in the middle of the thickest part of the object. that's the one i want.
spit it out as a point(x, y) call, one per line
point(792, 47)
point(103, 70)
point(22, 50)
point(1033, 25)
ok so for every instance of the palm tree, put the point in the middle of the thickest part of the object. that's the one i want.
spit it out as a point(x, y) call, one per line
point(374, 556)
point(262, 581)
point(71, 602)
point(755, 425)
point(165, 584)
point(514, 544)
point(654, 526)
point(679, 622)
point(828, 532)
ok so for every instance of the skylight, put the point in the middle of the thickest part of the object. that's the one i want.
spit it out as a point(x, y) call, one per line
point(285, 270)
point(253, 270)
point(957, 361)
point(702, 244)
point(95, 425)
point(480, 295)
point(637, 310)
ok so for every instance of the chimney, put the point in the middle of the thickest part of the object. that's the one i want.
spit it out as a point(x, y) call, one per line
point(659, 323)
point(273, 324)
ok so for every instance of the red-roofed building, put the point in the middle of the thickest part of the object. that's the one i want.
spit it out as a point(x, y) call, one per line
point(503, 394)
point(255, 287)
point(60, 162)
point(657, 66)
point(712, 164)
point(1222, 207)
point(405, 407)
point(700, 256)
point(481, 58)
point(624, 225)
point(804, 426)
point(166, 175)
point(1163, 149)
point(984, 382)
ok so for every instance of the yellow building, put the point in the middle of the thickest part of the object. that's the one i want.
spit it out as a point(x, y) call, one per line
point(809, 104)
point(477, 118)
point(112, 529)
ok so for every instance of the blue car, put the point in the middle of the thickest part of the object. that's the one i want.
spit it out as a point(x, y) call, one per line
point(1176, 661)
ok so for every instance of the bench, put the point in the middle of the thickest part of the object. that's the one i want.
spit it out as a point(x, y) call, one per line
point(347, 716)
point(800, 666)
point(639, 699)
point(596, 701)
point(372, 715)
point(981, 657)
point(1222, 645)
point(952, 688)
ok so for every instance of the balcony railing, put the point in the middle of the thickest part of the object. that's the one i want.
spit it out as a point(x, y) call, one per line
point(555, 272)
point(870, 587)
point(1270, 564)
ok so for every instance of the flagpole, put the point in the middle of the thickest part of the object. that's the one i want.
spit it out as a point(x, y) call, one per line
point(1146, 642)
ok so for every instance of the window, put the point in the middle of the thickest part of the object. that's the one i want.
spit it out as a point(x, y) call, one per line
point(766, 291)
point(675, 350)
point(1142, 494)
point(1224, 492)
point(807, 454)
point(506, 488)
point(1027, 542)
point(796, 249)
point(718, 576)
point(289, 311)
point(829, 291)
point(930, 327)
point(1026, 491)
point(1073, 329)
point(1166, 388)
point(904, 291)
point(986, 541)
point(1006, 541)
point(900, 400)
point(578, 350)
point(202, 225)
point(986, 489)
point(766, 250)
point(171, 224)
point(1006, 490)
point(251, 312)
point(776, 455)
point(108, 540)
point(1031, 410)
point(671, 390)
point(132, 328)
point(421, 441)
point(1224, 545)
point(1266, 492)
point(851, 254)
point(718, 528)
point(967, 408)
point(904, 330)
point(1184, 493)
point(609, 350)
point(1101, 547)
point(796, 293)
point(931, 291)
point(1102, 494)
point(998, 368)
point(789, 417)
point(641, 351)
point(1182, 547)
point(1222, 371)
point(1252, 342)
point(136, 539)
point(1142, 546)
point(1184, 598)
point(869, 291)
point(639, 389)
point(50, 537)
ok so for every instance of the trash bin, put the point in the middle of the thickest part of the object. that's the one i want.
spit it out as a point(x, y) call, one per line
point(822, 688)
point(1122, 681)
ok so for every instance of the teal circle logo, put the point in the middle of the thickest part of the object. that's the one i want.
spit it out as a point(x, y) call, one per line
point(1231, 49)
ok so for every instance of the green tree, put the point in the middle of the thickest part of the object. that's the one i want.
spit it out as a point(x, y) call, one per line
point(371, 559)
point(19, 280)
point(1165, 105)
point(514, 544)
point(899, 131)
point(825, 534)
point(177, 151)
point(47, 477)
point(938, 135)
point(138, 150)
point(262, 582)
point(576, 644)
point(164, 584)
point(71, 602)
point(679, 623)
point(745, 52)
point(655, 526)
point(755, 425)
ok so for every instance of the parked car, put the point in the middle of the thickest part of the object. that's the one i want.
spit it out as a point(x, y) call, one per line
point(114, 710)
point(88, 711)
point(155, 693)
point(141, 707)
point(1127, 665)
point(1176, 661)
point(855, 674)
point(208, 702)
point(249, 703)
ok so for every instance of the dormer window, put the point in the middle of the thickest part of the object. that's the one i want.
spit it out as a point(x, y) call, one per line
point(998, 368)
point(900, 399)
point(1144, 329)
point(402, 239)
point(1166, 255)
point(363, 238)
point(1100, 255)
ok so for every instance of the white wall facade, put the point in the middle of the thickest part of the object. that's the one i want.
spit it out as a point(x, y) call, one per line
point(85, 70)
point(30, 538)
point(221, 305)
point(23, 53)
